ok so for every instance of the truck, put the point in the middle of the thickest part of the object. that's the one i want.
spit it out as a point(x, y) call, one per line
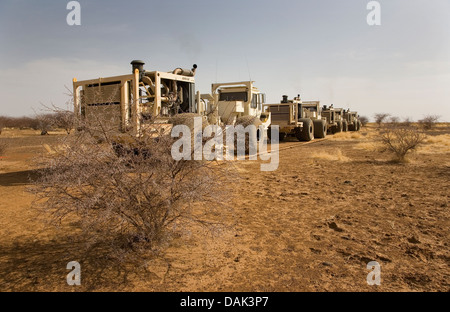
point(294, 120)
point(340, 117)
point(313, 111)
point(234, 103)
point(334, 119)
point(352, 120)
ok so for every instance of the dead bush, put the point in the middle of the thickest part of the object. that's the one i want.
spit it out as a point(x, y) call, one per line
point(364, 120)
point(400, 139)
point(3, 147)
point(127, 192)
point(394, 119)
point(64, 119)
point(429, 121)
point(58, 117)
point(380, 118)
point(45, 123)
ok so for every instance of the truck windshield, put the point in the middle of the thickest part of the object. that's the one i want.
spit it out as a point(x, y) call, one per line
point(233, 96)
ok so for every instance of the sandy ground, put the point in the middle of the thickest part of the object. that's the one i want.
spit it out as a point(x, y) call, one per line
point(312, 225)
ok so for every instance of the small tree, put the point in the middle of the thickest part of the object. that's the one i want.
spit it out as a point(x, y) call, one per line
point(56, 117)
point(394, 119)
point(380, 118)
point(429, 121)
point(364, 120)
point(400, 139)
point(65, 119)
point(45, 122)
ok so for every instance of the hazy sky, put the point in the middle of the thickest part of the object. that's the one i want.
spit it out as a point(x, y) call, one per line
point(322, 49)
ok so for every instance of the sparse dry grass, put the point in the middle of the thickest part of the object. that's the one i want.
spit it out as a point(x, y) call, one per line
point(335, 155)
point(371, 146)
point(443, 139)
point(435, 144)
point(346, 136)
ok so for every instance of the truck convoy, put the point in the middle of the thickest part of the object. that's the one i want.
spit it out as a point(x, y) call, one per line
point(142, 100)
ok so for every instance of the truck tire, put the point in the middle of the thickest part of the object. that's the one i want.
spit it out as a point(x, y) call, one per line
point(345, 126)
point(359, 125)
point(320, 128)
point(307, 132)
point(339, 126)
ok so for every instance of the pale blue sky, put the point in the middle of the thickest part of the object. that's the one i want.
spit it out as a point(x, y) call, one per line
point(322, 49)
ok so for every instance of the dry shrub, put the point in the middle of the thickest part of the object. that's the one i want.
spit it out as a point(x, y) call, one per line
point(429, 121)
point(336, 155)
point(442, 139)
point(3, 147)
point(128, 193)
point(394, 119)
point(45, 123)
point(364, 120)
point(64, 119)
point(400, 139)
point(380, 118)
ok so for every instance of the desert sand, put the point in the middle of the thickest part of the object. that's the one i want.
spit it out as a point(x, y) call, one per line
point(313, 225)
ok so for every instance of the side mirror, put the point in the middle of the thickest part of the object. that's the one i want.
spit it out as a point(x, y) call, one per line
point(263, 98)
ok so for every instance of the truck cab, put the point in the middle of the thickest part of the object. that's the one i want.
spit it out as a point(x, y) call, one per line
point(232, 100)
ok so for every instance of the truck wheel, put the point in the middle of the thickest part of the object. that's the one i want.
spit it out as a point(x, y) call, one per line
point(307, 132)
point(339, 126)
point(345, 126)
point(320, 128)
point(359, 125)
